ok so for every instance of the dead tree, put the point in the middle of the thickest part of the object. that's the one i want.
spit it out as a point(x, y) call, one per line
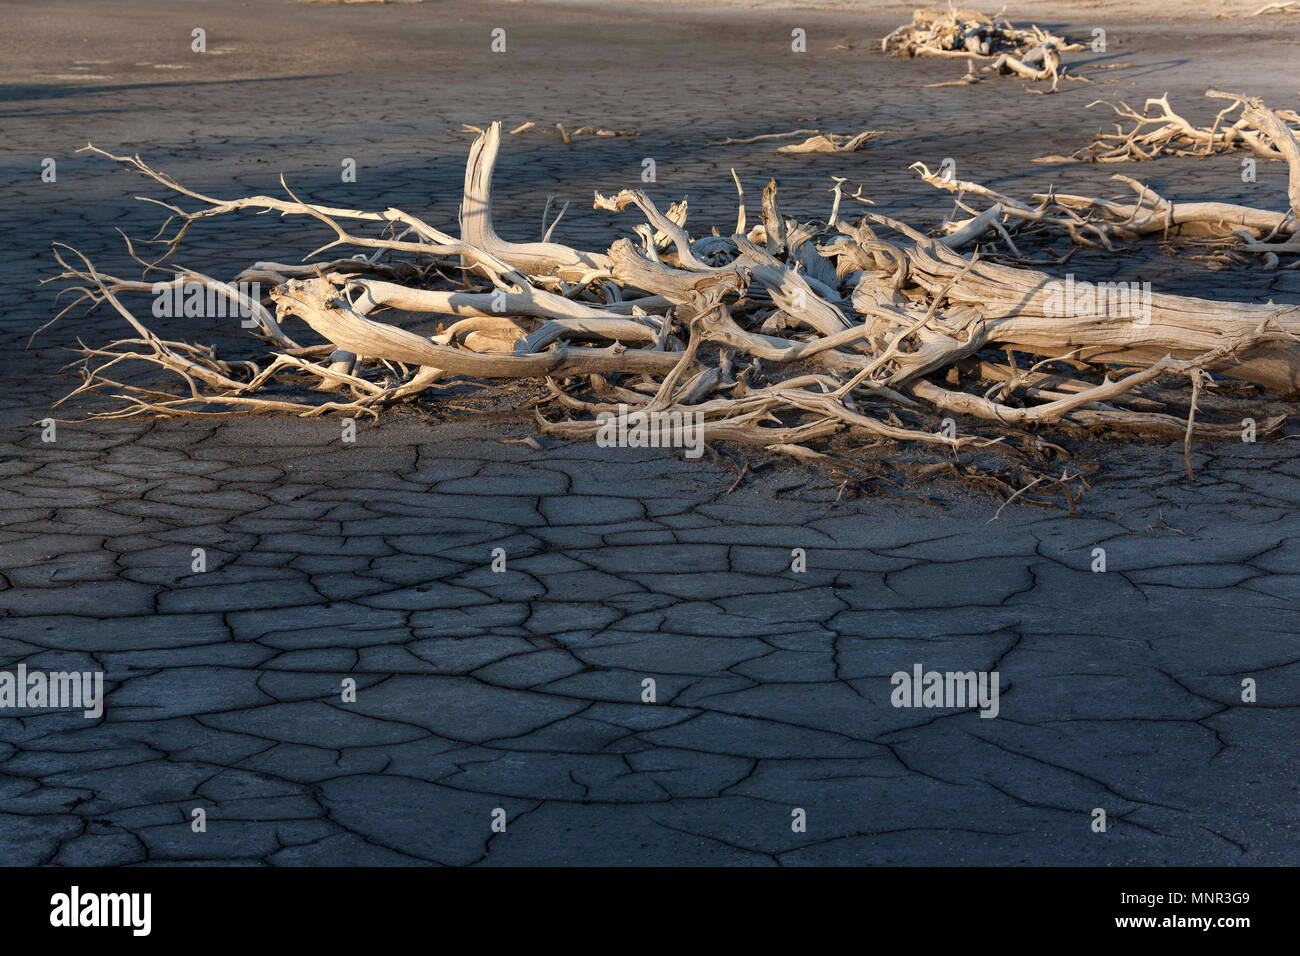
point(796, 336)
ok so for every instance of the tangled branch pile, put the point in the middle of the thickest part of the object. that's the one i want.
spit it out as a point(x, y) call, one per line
point(1225, 233)
point(1167, 133)
point(1033, 54)
point(786, 335)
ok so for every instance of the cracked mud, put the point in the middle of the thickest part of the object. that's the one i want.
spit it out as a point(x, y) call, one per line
point(522, 689)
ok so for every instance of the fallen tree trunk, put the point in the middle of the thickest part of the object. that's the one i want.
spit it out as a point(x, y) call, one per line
point(1017, 309)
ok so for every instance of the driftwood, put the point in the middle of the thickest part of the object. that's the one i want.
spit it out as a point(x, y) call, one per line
point(1167, 133)
point(566, 136)
point(1222, 233)
point(966, 34)
point(1031, 53)
point(816, 142)
point(791, 334)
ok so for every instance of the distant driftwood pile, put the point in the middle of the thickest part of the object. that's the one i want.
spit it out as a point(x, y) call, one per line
point(1030, 53)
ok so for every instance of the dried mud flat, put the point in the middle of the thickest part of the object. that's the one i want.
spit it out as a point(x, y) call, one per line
point(522, 690)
